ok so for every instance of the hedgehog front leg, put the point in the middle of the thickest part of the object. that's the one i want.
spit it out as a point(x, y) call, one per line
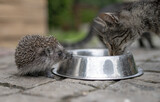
point(33, 74)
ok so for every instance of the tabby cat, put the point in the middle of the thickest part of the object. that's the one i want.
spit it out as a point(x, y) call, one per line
point(118, 30)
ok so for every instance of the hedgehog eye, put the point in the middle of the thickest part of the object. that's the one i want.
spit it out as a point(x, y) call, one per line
point(59, 53)
point(43, 53)
point(48, 50)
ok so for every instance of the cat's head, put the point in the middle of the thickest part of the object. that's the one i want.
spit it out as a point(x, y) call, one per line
point(115, 35)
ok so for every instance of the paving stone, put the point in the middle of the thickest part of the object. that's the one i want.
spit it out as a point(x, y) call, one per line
point(132, 85)
point(135, 88)
point(59, 89)
point(150, 77)
point(7, 66)
point(96, 84)
point(6, 90)
point(143, 54)
point(25, 98)
point(110, 96)
point(8, 72)
point(156, 58)
point(145, 88)
point(26, 82)
point(138, 63)
point(6, 60)
point(124, 91)
point(151, 66)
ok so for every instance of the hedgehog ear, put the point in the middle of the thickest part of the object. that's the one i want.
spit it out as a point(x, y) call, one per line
point(42, 52)
point(109, 18)
point(47, 51)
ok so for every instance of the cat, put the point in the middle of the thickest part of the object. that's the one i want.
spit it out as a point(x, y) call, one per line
point(146, 36)
point(118, 30)
point(116, 8)
point(110, 8)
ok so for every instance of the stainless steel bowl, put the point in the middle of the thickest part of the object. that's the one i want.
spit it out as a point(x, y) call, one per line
point(95, 64)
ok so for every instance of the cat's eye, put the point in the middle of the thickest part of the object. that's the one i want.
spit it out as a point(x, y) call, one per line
point(109, 24)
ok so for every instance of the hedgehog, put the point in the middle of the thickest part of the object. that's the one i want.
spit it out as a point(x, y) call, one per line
point(35, 55)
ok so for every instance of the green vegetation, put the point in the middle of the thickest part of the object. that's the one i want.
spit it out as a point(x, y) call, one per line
point(87, 15)
point(61, 16)
point(68, 36)
point(60, 12)
point(99, 3)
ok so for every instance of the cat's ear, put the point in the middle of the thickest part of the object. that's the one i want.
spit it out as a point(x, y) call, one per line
point(109, 18)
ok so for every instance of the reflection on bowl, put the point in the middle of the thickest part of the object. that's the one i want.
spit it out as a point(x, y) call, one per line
point(95, 64)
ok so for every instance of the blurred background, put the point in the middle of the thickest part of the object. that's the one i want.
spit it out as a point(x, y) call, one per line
point(67, 20)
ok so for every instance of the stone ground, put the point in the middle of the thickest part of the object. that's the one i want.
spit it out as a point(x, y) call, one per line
point(145, 88)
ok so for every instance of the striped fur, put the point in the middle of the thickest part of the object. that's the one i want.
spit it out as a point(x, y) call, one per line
point(120, 29)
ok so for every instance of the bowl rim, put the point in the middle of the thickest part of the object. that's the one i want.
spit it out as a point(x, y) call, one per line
point(139, 73)
point(117, 56)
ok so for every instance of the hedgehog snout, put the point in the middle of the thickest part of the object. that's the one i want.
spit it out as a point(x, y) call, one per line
point(68, 55)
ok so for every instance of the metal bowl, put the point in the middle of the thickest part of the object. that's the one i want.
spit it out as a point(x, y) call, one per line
point(95, 64)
